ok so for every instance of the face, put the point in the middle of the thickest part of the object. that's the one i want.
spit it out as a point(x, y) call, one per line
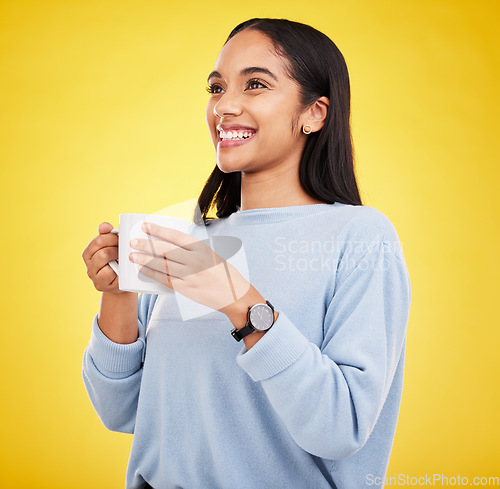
point(254, 113)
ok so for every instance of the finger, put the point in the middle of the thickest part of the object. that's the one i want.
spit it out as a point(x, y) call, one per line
point(167, 267)
point(101, 259)
point(175, 236)
point(105, 277)
point(114, 281)
point(158, 276)
point(105, 227)
point(160, 248)
point(101, 241)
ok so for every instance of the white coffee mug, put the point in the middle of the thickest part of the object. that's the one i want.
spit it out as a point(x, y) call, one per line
point(129, 278)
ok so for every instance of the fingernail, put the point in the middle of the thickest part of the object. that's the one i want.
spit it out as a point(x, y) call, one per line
point(145, 226)
point(134, 243)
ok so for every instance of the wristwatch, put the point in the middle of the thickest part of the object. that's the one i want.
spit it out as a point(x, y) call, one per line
point(260, 318)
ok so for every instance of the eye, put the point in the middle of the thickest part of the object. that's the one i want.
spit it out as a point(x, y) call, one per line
point(255, 84)
point(214, 88)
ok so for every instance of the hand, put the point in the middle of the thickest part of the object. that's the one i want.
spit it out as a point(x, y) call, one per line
point(189, 266)
point(98, 253)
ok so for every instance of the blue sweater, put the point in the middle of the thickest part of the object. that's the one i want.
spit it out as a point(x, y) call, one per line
point(314, 404)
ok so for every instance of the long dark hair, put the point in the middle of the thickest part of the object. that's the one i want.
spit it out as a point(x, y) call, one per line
point(326, 169)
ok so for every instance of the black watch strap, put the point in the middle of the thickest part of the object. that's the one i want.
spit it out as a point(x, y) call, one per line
point(239, 334)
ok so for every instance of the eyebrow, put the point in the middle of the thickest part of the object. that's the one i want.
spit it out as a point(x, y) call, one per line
point(246, 71)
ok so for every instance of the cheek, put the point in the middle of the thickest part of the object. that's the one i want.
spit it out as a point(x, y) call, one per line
point(211, 122)
point(209, 114)
point(295, 126)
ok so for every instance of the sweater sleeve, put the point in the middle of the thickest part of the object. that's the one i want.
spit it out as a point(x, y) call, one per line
point(330, 396)
point(112, 372)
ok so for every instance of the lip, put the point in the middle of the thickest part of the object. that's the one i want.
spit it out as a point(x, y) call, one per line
point(234, 127)
point(234, 142)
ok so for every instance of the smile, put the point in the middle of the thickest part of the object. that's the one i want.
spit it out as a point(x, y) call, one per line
point(231, 135)
point(234, 134)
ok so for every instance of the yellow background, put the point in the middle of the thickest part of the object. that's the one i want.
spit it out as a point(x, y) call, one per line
point(102, 112)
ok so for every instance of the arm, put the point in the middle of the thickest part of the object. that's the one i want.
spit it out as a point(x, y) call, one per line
point(329, 397)
point(112, 371)
point(118, 316)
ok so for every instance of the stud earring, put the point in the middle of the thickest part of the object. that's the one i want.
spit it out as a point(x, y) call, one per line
point(308, 130)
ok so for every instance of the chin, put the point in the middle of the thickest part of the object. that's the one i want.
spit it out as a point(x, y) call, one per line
point(228, 165)
point(227, 168)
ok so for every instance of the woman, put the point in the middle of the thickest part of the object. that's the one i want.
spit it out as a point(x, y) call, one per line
point(311, 399)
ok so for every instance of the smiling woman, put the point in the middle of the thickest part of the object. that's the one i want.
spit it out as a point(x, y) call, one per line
point(312, 397)
point(251, 92)
point(272, 80)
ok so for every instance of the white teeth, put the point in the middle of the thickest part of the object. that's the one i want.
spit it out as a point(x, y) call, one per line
point(235, 135)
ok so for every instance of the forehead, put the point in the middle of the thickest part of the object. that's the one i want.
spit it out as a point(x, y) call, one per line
point(249, 48)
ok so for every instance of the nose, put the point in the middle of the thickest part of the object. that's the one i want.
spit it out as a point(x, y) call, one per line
point(227, 105)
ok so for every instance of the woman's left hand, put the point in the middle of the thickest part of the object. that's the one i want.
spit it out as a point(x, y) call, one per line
point(189, 266)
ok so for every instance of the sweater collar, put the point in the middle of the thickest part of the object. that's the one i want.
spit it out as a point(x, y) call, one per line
point(276, 214)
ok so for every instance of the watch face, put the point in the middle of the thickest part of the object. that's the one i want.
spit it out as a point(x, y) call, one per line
point(261, 317)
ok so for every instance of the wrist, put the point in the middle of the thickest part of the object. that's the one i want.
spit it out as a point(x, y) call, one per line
point(240, 313)
point(237, 312)
point(117, 317)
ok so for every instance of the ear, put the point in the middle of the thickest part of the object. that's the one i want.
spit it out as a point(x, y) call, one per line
point(316, 114)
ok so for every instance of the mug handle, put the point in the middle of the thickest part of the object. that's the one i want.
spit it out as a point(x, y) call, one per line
point(113, 263)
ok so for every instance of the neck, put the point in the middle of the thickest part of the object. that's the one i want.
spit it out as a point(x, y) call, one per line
point(276, 187)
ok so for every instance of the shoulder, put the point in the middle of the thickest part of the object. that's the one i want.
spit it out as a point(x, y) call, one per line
point(362, 229)
point(355, 222)
point(366, 223)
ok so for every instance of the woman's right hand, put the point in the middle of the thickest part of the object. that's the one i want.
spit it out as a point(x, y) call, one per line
point(98, 253)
